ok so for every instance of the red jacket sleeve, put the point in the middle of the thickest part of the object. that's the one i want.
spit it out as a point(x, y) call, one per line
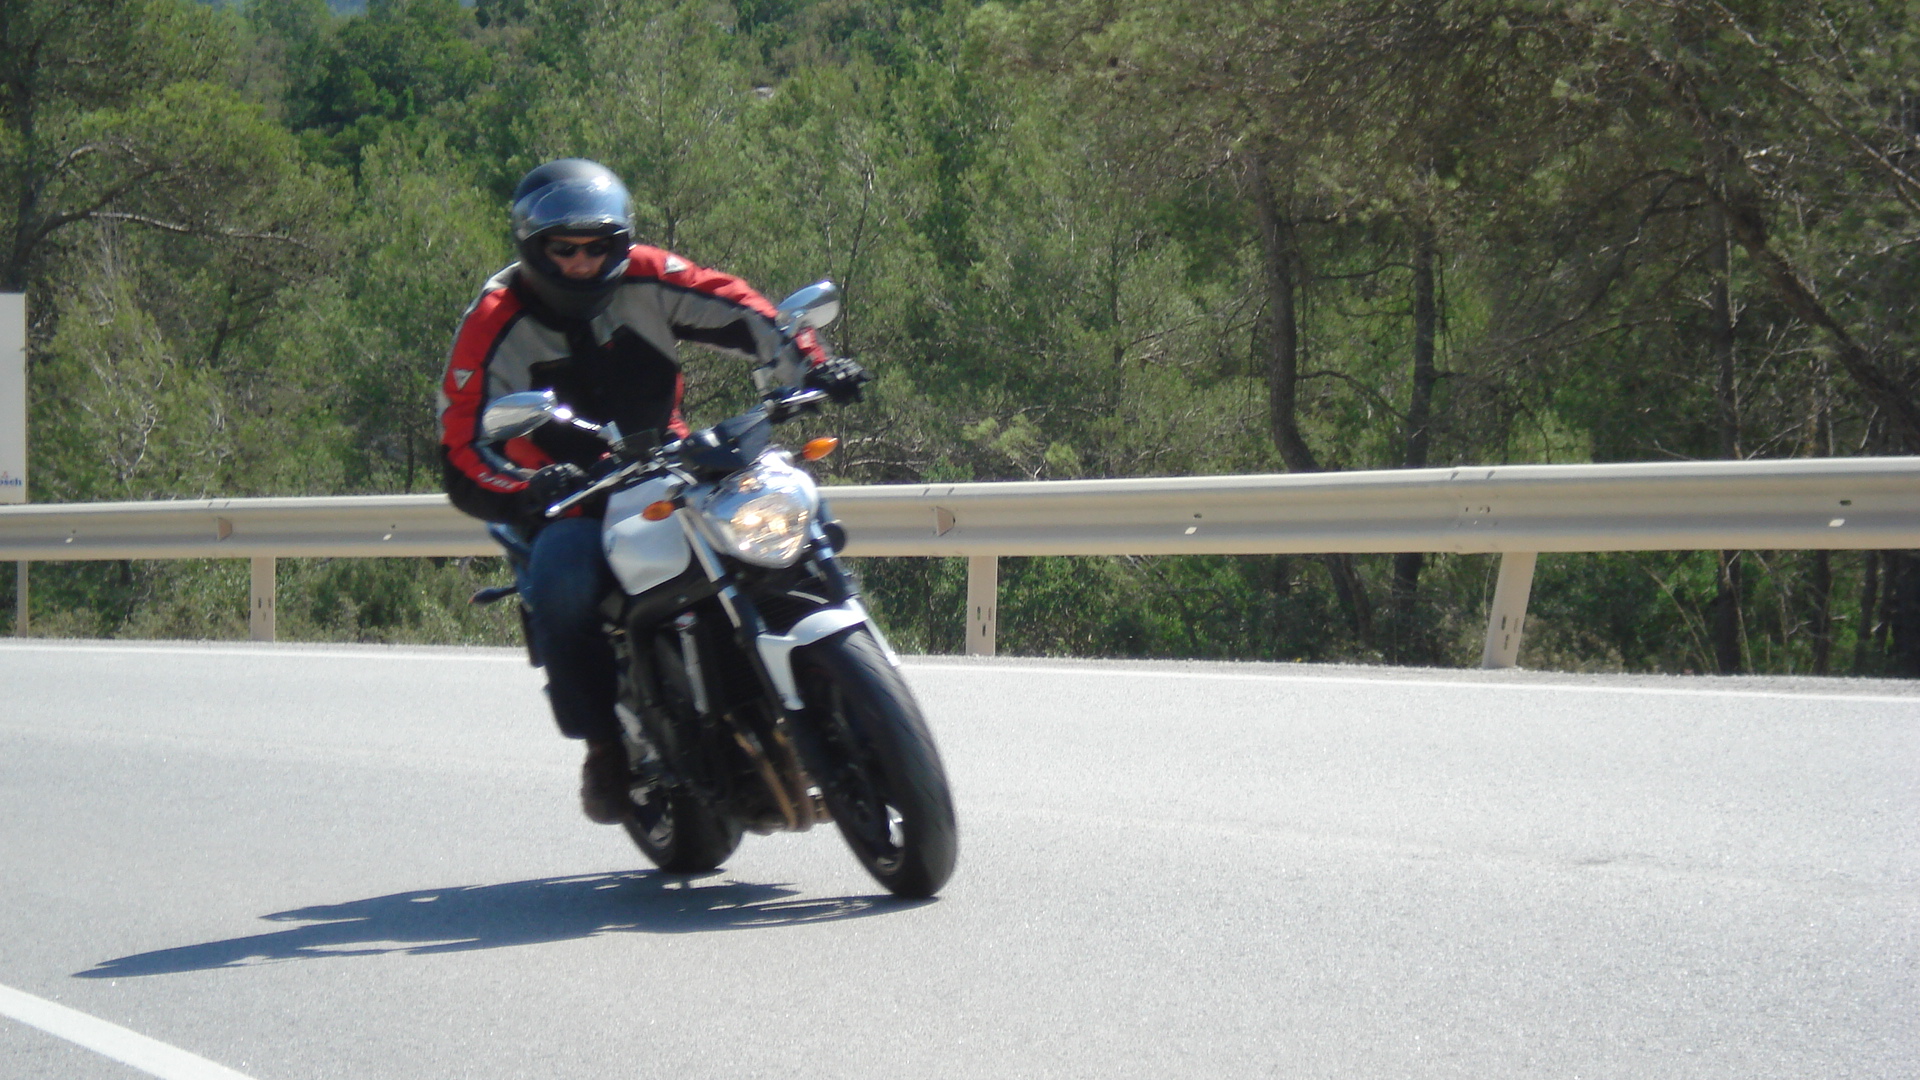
point(484, 485)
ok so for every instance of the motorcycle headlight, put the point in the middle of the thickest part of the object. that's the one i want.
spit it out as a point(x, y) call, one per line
point(761, 515)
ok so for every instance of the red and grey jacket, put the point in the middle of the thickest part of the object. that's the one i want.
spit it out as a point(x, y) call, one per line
point(622, 365)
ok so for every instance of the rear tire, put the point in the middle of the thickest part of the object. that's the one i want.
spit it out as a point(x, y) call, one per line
point(678, 833)
point(882, 779)
point(675, 831)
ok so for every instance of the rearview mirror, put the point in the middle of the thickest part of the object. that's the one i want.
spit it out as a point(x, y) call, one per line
point(510, 416)
point(815, 306)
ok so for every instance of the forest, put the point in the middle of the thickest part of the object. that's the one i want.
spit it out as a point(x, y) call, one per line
point(1078, 238)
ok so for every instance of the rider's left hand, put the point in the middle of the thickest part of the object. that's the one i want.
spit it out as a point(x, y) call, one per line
point(840, 377)
point(553, 483)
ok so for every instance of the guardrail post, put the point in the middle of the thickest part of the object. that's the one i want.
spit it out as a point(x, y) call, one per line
point(20, 599)
point(260, 604)
point(983, 598)
point(1508, 616)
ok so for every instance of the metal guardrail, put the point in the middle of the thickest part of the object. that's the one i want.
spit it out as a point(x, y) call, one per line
point(1516, 511)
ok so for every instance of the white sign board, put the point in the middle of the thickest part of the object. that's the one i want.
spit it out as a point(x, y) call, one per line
point(13, 398)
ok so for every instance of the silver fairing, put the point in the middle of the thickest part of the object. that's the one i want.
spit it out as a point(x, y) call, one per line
point(643, 553)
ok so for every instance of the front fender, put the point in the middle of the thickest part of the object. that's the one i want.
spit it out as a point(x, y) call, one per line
point(776, 650)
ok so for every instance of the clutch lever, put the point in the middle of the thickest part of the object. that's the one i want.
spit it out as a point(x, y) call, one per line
point(595, 488)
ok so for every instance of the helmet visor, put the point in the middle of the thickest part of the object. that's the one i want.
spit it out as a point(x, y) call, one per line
point(586, 206)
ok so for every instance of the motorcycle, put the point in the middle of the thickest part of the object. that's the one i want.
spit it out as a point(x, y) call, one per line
point(756, 693)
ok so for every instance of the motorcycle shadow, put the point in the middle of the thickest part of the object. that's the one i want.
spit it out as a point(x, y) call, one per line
point(513, 913)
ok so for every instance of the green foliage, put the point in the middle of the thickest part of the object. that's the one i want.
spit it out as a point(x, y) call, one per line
point(393, 601)
point(136, 422)
point(108, 115)
point(648, 89)
point(1077, 239)
point(388, 601)
point(351, 81)
point(426, 235)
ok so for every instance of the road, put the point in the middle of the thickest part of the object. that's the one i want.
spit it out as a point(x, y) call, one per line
point(361, 862)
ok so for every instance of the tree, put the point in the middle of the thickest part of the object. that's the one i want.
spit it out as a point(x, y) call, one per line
point(352, 80)
point(648, 88)
point(81, 137)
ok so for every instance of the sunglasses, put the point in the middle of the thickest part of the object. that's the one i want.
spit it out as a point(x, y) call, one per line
point(560, 249)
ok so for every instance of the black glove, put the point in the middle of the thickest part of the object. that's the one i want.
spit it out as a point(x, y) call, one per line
point(840, 377)
point(553, 483)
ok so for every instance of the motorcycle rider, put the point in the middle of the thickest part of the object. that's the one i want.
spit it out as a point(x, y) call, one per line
point(596, 318)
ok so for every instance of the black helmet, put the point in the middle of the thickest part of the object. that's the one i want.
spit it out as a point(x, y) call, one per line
point(571, 197)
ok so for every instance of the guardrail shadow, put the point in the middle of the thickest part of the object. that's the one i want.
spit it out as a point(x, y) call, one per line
point(499, 916)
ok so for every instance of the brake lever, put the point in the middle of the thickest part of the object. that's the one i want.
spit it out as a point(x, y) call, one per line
point(782, 409)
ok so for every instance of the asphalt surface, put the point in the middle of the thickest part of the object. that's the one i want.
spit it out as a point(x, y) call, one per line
point(307, 862)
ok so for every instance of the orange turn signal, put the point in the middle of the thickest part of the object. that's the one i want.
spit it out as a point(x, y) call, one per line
point(658, 511)
point(819, 448)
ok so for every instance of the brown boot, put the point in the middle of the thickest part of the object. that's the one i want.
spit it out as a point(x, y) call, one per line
point(605, 783)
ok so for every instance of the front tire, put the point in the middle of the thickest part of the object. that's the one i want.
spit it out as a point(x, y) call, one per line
point(882, 779)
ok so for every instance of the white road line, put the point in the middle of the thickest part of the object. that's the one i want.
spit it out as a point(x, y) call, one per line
point(150, 1056)
point(1425, 684)
point(270, 651)
point(919, 664)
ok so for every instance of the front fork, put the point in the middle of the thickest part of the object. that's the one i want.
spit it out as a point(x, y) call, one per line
point(771, 653)
point(775, 740)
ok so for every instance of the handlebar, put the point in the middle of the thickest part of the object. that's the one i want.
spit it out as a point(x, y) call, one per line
point(779, 409)
point(603, 483)
point(788, 406)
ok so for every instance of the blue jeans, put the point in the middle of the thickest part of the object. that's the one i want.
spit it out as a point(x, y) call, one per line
point(562, 587)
